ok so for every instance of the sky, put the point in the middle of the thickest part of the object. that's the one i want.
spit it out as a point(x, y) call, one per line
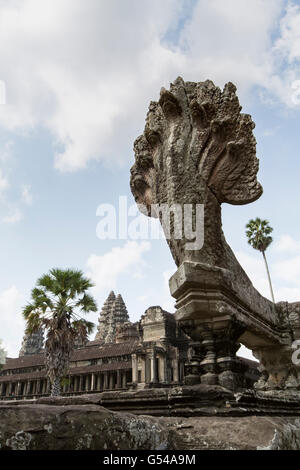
point(76, 79)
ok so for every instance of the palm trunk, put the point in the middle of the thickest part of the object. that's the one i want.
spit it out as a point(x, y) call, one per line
point(55, 387)
point(269, 277)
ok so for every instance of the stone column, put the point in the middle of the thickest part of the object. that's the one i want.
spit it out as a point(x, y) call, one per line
point(1, 389)
point(175, 370)
point(154, 378)
point(143, 370)
point(134, 368)
point(105, 380)
point(163, 368)
point(97, 382)
point(93, 382)
point(111, 381)
point(80, 383)
point(181, 371)
point(118, 378)
point(86, 383)
point(124, 379)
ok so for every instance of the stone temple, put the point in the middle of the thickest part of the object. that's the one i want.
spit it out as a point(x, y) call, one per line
point(197, 149)
point(153, 352)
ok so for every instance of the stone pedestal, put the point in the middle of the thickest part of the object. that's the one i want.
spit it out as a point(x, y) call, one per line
point(208, 315)
point(278, 370)
point(212, 313)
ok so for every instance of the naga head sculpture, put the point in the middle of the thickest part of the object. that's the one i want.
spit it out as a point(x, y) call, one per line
point(197, 148)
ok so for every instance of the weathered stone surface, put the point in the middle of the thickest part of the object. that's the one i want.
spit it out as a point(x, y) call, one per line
point(198, 148)
point(187, 400)
point(76, 427)
point(249, 433)
point(58, 426)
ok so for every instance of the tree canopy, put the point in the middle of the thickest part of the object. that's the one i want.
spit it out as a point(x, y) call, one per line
point(59, 300)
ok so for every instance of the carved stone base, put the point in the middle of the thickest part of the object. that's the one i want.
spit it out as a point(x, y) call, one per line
point(209, 310)
point(277, 369)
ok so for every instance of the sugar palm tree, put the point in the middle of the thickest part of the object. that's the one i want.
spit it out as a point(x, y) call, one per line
point(58, 300)
point(258, 233)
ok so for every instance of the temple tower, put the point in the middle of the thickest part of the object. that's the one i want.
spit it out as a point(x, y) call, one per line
point(120, 310)
point(32, 344)
point(113, 313)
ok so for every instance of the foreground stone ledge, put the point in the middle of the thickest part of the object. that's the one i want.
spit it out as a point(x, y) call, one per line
point(76, 427)
point(63, 426)
point(183, 401)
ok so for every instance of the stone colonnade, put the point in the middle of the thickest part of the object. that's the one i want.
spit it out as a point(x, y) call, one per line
point(80, 383)
point(151, 367)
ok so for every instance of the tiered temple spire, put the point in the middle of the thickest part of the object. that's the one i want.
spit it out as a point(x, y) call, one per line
point(113, 312)
point(33, 343)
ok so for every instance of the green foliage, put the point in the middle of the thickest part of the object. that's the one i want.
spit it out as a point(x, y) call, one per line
point(59, 300)
point(65, 381)
point(59, 297)
point(258, 234)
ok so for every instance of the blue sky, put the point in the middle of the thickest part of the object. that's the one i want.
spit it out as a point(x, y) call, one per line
point(79, 77)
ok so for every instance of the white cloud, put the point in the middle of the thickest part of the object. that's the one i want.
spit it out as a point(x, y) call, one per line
point(290, 294)
point(284, 82)
point(288, 270)
point(288, 44)
point(231, 40)
point(286, 244)
point(3, 183)
point(104, 270)
point(26, 194)
point(285, 272)
point(5, 156)
point(13, 217)
point(11, 320)
point(80, 70)
point(87, 70)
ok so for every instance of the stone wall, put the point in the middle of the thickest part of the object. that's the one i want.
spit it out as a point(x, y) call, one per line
point(82, 424)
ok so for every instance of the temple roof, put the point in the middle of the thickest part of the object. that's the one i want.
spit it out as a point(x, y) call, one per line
point(80, 354)
point(120, 365)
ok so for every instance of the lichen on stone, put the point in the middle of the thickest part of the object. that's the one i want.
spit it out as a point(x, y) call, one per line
point(20, 441)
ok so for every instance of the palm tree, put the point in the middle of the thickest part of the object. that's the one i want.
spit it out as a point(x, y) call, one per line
point(58, 300)
point(258, 233)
